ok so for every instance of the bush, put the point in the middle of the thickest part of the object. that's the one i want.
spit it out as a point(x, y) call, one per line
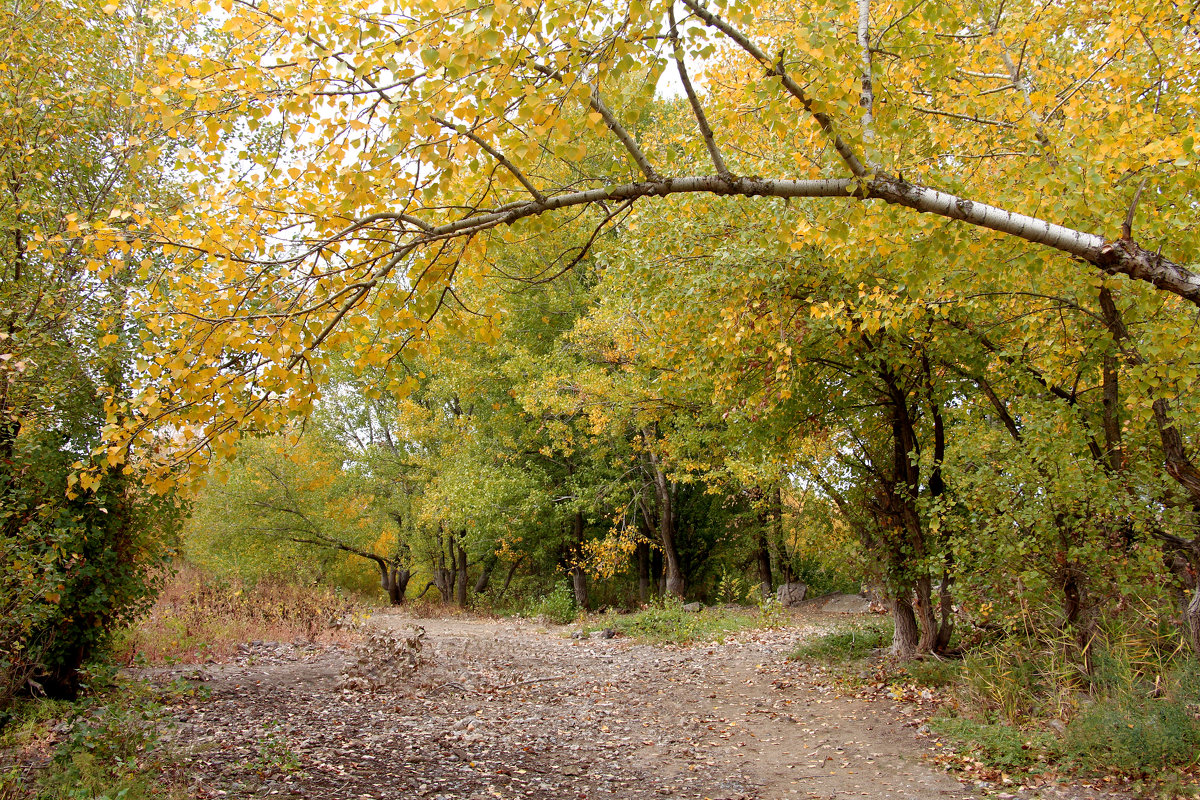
point(76, 566)
point(558, 606)
point(1140, 734)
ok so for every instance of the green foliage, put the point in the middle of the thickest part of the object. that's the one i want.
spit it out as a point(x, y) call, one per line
point(731, 588)
point(1138, 729)
point(852, 642)
point(112, 751)
point(557, 606)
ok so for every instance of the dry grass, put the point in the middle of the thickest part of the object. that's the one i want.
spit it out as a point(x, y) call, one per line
point(199, 617)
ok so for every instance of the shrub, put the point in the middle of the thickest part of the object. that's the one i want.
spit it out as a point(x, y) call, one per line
point(76, 566)
point(1139, 733)
point(558, 606)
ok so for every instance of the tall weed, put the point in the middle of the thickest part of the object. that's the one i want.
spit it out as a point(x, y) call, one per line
point(198, 616)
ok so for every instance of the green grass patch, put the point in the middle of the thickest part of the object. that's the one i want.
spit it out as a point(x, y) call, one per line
point(851, 642)
point(997, 744)
point(1140, 731)
point(934, 673)
point(665, 622)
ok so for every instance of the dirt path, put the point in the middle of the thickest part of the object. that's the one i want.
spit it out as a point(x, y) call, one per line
point(511, 709)
point(505, 709)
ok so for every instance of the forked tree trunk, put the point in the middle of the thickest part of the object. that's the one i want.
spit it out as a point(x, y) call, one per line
point(394, 581)
point(664, 496)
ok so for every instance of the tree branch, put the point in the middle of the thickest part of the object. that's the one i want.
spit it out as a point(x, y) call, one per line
point(494, 153)
point(777, 68)
point(697, 109)
point(867, 100)
point(614, 125)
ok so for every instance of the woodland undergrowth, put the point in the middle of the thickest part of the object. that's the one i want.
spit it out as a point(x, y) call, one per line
point(198, 616)
point(1119, 706)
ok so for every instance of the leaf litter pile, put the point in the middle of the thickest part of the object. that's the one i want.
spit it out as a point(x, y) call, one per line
point(472, 709)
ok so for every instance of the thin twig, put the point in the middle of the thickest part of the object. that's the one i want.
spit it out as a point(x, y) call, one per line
point(494, 153)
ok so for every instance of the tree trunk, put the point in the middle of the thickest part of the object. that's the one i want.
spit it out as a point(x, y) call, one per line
point(443, 577)
point(946, 607)
point(764, 564)
point(485, 577)
point(927, 640)
point(578, 574)
point(393, 579)
point(395, 582)
point(666, 526)
point(512, 570)
point(1191, 619)
point(643, 571)
point(579, 585)
point(658, 578)
point(904, 639)
point(460, 596)
point(783, 565)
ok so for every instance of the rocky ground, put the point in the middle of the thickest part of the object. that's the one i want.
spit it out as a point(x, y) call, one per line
point(513, 709)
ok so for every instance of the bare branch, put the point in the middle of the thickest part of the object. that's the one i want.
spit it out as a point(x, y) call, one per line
point(1127, 225)
point(697, 109)
point(964, 117)
point(777, 68)
point(614, 125)
point(494, 153)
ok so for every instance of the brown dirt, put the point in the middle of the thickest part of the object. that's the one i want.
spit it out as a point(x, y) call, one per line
point(510, 709)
